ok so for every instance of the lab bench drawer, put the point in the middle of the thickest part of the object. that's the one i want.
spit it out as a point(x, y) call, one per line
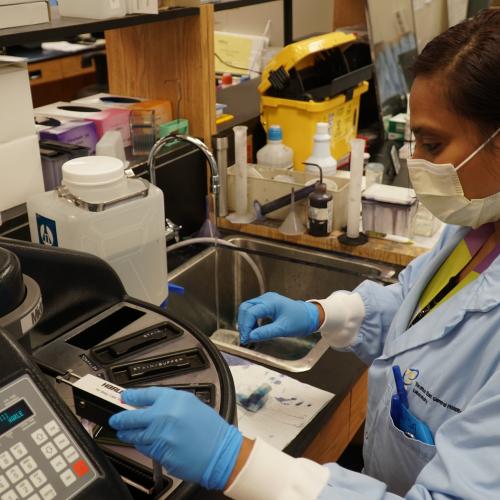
point(45, 72)
point(58, 69)
point(72, 66)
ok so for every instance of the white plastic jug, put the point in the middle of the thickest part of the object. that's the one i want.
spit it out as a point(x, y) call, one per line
point(100, 211)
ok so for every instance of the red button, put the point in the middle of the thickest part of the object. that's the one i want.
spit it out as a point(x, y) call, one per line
point(80, 467)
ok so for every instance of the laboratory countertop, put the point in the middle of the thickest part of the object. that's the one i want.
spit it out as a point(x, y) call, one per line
point(380, 250)
point(336, 372)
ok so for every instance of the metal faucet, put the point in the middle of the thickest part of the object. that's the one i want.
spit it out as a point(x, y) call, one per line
point(214, 169)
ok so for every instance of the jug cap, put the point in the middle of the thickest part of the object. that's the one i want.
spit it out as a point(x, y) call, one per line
point(92, 171)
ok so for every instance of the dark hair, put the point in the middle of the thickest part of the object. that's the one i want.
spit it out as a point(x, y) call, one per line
point(467, 56)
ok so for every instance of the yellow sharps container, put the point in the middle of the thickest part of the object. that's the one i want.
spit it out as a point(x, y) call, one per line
point(309, 82)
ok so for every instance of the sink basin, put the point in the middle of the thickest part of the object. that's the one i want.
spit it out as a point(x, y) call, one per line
point(295, 272)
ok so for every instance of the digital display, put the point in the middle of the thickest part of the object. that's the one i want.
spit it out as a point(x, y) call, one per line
point(14, 415)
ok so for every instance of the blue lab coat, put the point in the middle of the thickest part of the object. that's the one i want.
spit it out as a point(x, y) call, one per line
point(453, 382)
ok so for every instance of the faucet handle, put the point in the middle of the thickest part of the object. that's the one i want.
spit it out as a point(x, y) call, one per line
point(172, 230)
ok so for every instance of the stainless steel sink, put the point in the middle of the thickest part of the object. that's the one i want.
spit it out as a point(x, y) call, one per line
point(295, 272)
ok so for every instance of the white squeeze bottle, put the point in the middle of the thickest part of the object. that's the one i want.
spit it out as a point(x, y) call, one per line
point(275, 154)
point(321, 154)
point(101, 211)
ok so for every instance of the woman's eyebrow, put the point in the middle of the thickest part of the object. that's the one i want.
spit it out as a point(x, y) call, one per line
point(425, 129)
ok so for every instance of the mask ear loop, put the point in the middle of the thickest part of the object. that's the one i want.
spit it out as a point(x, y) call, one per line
point(479, 149)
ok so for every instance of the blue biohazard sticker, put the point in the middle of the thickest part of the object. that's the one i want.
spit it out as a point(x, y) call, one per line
point(47, 231)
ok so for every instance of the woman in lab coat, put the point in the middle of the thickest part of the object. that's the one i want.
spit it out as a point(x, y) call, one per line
point(440, 324)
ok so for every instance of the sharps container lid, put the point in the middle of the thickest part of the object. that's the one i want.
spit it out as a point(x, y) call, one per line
point(92, 171)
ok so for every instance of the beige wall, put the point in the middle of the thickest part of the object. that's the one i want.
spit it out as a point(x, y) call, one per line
point(431, 19)
point(310, 16)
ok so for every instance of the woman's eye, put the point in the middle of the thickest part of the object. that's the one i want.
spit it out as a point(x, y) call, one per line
point(431, 147)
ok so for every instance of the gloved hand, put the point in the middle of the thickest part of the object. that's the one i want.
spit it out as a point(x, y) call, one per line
point(186, 436)
point(291, 318)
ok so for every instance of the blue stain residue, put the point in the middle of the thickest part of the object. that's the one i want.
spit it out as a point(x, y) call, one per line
point(288, 401)
point(256, 400)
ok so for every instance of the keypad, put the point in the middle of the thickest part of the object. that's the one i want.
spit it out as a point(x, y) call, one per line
point(21, 477)
point(39, 459)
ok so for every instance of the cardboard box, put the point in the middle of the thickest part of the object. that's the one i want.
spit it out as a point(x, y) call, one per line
point(162, 109)
point(24, 14)
point(396, 130)
point(105, 101)
point(108, 119)
point(154, 6)
point(20, 171)
point(15, 100)
point(80, 133)
point(93, 9)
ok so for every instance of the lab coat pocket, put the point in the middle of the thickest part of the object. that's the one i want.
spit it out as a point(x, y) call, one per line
point(398, 459)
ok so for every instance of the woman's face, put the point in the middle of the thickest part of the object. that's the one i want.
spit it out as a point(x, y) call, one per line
point(442, 136)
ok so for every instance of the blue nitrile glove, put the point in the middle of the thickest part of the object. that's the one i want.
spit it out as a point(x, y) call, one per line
point(291, 318)
point(186, 436)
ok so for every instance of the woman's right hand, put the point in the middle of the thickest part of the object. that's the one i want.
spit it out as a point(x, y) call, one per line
point(290, 318)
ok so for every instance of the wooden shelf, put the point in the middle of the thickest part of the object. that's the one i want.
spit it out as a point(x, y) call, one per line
point(376, 249)
point(170, 59)
point(235, 4)
point(65, 27)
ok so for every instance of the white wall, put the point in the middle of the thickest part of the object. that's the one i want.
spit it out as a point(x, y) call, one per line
point(310, 16)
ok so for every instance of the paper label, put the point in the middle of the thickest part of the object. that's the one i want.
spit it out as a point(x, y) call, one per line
point(32, 318)
point(323, 215)
point(103, 389)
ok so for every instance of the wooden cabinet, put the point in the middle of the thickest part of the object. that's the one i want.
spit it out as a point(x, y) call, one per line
point(57, 69)
point(332, 440)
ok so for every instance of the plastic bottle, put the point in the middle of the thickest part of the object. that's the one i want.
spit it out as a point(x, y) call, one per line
point(226, 80)
point(128, 234)
point(275, 154)
point(321, 154)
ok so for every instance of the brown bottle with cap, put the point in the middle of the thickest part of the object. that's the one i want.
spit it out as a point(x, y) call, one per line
point(320, 209)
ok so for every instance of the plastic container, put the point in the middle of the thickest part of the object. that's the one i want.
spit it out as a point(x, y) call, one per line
point(321, 155)
point(274, 183)
point(374, 173)
point(275, 154)
point(334, 100)
point(104, 213)
point(389, 209)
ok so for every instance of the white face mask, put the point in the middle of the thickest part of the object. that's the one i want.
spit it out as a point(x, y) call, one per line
point(439, 189)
